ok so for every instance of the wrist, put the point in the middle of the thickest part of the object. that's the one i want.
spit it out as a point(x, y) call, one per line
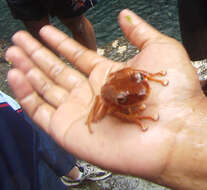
point(186, 167)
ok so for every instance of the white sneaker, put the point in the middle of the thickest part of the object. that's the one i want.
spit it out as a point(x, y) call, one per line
point(93, 173)
point(89, 172)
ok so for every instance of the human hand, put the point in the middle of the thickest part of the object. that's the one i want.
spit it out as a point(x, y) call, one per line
point(59, 98)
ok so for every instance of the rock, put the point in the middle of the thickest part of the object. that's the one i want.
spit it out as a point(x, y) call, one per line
point(201, 67)
point(4, 68)
point(119, 50)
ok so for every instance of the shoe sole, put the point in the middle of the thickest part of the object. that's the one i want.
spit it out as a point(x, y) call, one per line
point(99, 178)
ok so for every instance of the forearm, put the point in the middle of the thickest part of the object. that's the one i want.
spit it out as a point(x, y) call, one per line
point(186, 168)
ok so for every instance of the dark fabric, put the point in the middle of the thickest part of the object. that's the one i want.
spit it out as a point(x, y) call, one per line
point(18, 158)
point(27, 9)
point(29, 158)
point(193, 26)
point(30, 10)
point(56, 157)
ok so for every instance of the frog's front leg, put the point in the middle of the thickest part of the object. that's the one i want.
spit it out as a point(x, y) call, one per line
point(151, 76)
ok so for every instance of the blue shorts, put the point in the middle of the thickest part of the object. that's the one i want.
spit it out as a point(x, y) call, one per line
point(31, 10)
point(29, 158)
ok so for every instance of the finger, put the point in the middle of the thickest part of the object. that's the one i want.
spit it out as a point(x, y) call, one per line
point(30, 51)
point(51, 92)
point(38, 109)
point(84, 59)
point(136, 30)
point(14, 55)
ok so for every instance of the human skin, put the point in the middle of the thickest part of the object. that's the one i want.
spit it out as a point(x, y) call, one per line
point(81, 28)
point(172, 152)
point(82, 31)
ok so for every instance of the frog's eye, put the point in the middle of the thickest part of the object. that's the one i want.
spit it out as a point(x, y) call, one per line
point(139, 77)
point(122, 98)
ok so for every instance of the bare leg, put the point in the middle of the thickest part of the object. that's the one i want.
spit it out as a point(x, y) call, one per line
point(34, 26)
point(82, 31)
point(74, 173)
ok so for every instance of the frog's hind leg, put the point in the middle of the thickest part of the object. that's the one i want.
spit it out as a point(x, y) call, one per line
point(98, 111)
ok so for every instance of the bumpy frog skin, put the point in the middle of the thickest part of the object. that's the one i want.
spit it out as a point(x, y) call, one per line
point(122, 96)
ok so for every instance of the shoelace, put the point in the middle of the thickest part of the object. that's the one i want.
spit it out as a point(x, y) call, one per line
point(91, 3)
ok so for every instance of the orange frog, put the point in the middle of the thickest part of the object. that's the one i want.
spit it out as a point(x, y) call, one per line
point(122, 96)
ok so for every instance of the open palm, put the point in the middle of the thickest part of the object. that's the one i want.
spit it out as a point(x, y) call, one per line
point(59, 98)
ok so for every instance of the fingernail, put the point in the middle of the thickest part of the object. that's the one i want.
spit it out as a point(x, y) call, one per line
point(129, 19)
point(8, 60)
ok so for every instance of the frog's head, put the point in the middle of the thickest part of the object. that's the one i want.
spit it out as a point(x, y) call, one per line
point(127, 91)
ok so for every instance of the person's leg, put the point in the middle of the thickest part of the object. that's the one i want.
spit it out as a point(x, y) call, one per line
point(74, 173)
point(34, 14)
point(82, 30)
point(18, 148)
point(193, 26)
point(84, 171)
point(33, 26)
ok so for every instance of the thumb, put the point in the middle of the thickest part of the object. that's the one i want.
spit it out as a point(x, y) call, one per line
point(137, 31)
